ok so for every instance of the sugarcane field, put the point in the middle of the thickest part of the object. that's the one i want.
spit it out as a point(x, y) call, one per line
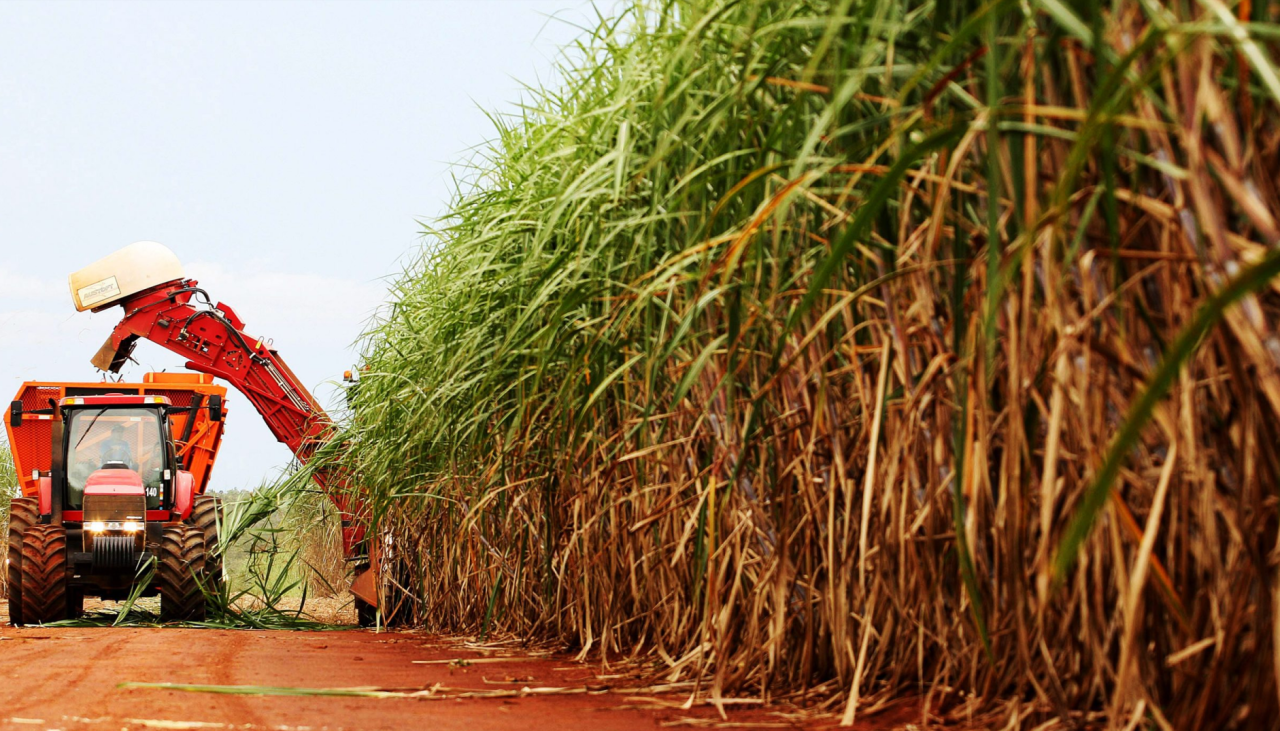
point(637, 364)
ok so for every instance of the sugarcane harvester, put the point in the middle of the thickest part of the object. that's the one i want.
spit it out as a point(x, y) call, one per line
point(162, 305)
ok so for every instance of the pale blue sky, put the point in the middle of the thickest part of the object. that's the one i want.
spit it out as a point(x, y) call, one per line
point(283, 150)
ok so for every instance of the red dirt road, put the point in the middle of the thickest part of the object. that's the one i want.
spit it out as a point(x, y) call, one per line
point(70, 678)
point(67, 678)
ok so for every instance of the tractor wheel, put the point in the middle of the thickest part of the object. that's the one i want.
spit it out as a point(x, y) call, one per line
point(44, 574)
point(180, 567)
point(366, 614)
point(205, 514)
point(23, 513)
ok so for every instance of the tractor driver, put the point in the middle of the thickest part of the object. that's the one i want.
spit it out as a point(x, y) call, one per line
point(116, 449)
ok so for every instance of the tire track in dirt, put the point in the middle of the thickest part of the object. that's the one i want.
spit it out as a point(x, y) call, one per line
point(225, 670)
point(48, 673)
point(197, 662)
point(69, 678)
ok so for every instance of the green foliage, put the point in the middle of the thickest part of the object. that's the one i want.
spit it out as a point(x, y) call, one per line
point(8, 491)
point(785, 340)
point(8, 480)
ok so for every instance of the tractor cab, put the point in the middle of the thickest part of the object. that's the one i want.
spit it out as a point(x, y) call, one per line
point(121, 470)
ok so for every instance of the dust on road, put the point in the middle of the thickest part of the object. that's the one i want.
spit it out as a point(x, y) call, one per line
point(69, 678)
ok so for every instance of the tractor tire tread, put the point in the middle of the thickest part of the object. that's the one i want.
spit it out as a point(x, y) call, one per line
point(23, 513)
point(44, 574)
point(204, 516)
point(180, 566)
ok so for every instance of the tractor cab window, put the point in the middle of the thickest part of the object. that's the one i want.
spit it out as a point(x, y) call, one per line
point(115, 438)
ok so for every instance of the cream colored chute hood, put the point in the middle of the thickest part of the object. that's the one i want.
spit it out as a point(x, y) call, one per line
point(133, 269)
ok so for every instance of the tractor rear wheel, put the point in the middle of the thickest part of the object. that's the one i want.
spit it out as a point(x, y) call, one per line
point(366, 614)
point(205, 514)
point(44, 574)
point(23, 513)
point(180, 557)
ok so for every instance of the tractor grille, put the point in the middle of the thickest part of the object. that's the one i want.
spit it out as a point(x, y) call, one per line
point(113, 552)
point(115, 508)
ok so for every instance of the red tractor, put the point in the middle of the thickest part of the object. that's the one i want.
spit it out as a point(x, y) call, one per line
point(109, 498)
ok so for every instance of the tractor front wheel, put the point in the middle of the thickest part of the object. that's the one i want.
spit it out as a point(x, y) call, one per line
point(205, 514)
point(366, 614)
point(44, 574)
point(23, 513)
point(180, 558)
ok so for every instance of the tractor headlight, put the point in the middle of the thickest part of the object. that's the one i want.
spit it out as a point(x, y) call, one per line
point(130, 527)
point(96, 526)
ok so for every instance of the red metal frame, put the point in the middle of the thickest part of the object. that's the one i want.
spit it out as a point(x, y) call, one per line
point(213, 341)
point(30, 443)
point(114, 399)
point(153, 516)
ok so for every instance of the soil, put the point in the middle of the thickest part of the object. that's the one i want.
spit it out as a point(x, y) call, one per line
point(70, 678)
